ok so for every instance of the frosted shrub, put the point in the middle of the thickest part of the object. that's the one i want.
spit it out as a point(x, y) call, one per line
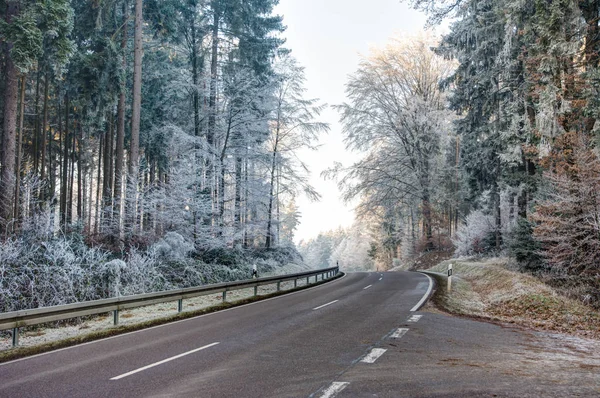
point(173, 247)
point(53, 273)
point(142, 275)
point(65, 270)
point(473, 235)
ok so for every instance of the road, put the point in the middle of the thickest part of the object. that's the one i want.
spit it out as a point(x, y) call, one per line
point(353, 337)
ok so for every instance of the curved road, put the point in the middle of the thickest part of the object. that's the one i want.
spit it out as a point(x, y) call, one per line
point(353, 337)
point(295, 345)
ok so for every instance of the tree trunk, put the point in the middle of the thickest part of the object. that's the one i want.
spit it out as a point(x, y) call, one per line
point(44, 128)
point(120, 142)
point(64, 183)
point(212, 102)
point(19, 151)
point(246, 204)
point(427, 224)
point(107, 172)
point(195, 96)
point(497, 215)
point(222, 177)
point(7, 185)
point(79, 176)
point(36, 129)
point(269, 234)
point(238, 197)
point(134, 149)
point(72, 174)
point(98, 184)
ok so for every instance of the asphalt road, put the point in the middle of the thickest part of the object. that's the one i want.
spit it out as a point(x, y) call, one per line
point(353, 337)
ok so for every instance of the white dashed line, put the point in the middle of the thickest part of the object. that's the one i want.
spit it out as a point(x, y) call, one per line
point(381, 278)
point(372, 356)
point(325, 305)
point(414, 318)
point(163, 361)
point(334, 389)
point(399, 333)
point(365, 288)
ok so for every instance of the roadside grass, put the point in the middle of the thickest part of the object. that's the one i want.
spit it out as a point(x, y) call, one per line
point(489, 289)
point(21, 352)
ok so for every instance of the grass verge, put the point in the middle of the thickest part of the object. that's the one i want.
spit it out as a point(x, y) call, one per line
point(21, 352)
point(490, 290)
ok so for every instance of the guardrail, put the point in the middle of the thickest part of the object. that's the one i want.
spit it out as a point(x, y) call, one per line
point(17, 319)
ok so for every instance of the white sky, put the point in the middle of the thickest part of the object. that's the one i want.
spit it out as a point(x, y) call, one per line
point(327, 36)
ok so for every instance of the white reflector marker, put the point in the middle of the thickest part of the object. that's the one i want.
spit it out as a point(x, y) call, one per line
point(325, 305)
point(335, 388)
point(414, 318)
point(372, 356)
point(399, 333)
point(163, 361)
point(365, 288)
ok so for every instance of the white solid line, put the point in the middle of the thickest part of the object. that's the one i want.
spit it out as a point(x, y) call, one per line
point(163, 361)
point(237, 307)
point(414, 318)
point(325, 305)
point(334, 389)
point(365, 288)
point(399, 333)
point(420, 303)
point(372, 356)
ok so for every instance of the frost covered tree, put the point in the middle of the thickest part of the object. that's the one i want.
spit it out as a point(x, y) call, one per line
point(397, 117)
point(294, 127)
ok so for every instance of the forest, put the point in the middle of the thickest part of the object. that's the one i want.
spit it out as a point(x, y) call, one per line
point(153, 141)
point(157, 141)
point(481, 142)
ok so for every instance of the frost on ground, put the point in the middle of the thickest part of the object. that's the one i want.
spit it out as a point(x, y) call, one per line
point(566, 360)
point(490, 289)
point(44, 334)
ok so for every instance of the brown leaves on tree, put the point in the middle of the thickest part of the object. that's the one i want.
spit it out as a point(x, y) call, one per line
point(568, 221)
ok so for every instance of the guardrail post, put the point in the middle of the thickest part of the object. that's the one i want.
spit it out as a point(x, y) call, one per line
point(115, 317)
point(224, 295)
point(307, 281)
point(295, 283)
point(316, 278)
point(278, 285)
point(179, 305)
point(256, 290)
point(15, 337)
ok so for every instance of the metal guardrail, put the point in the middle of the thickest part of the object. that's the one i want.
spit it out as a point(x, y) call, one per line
point(17, 319)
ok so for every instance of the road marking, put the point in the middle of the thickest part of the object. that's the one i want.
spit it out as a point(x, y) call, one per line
point(414, 318)
point(425, 296)
point(372, 356)
point(399, 333)
point(325, 305)
point(365, 288)
point(237, 307)
point(381, 278)
point(163, 361)
point(335, 388)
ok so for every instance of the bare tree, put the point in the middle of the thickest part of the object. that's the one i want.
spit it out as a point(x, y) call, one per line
point(397, 117)
point(293, 127)
point(134, 149)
